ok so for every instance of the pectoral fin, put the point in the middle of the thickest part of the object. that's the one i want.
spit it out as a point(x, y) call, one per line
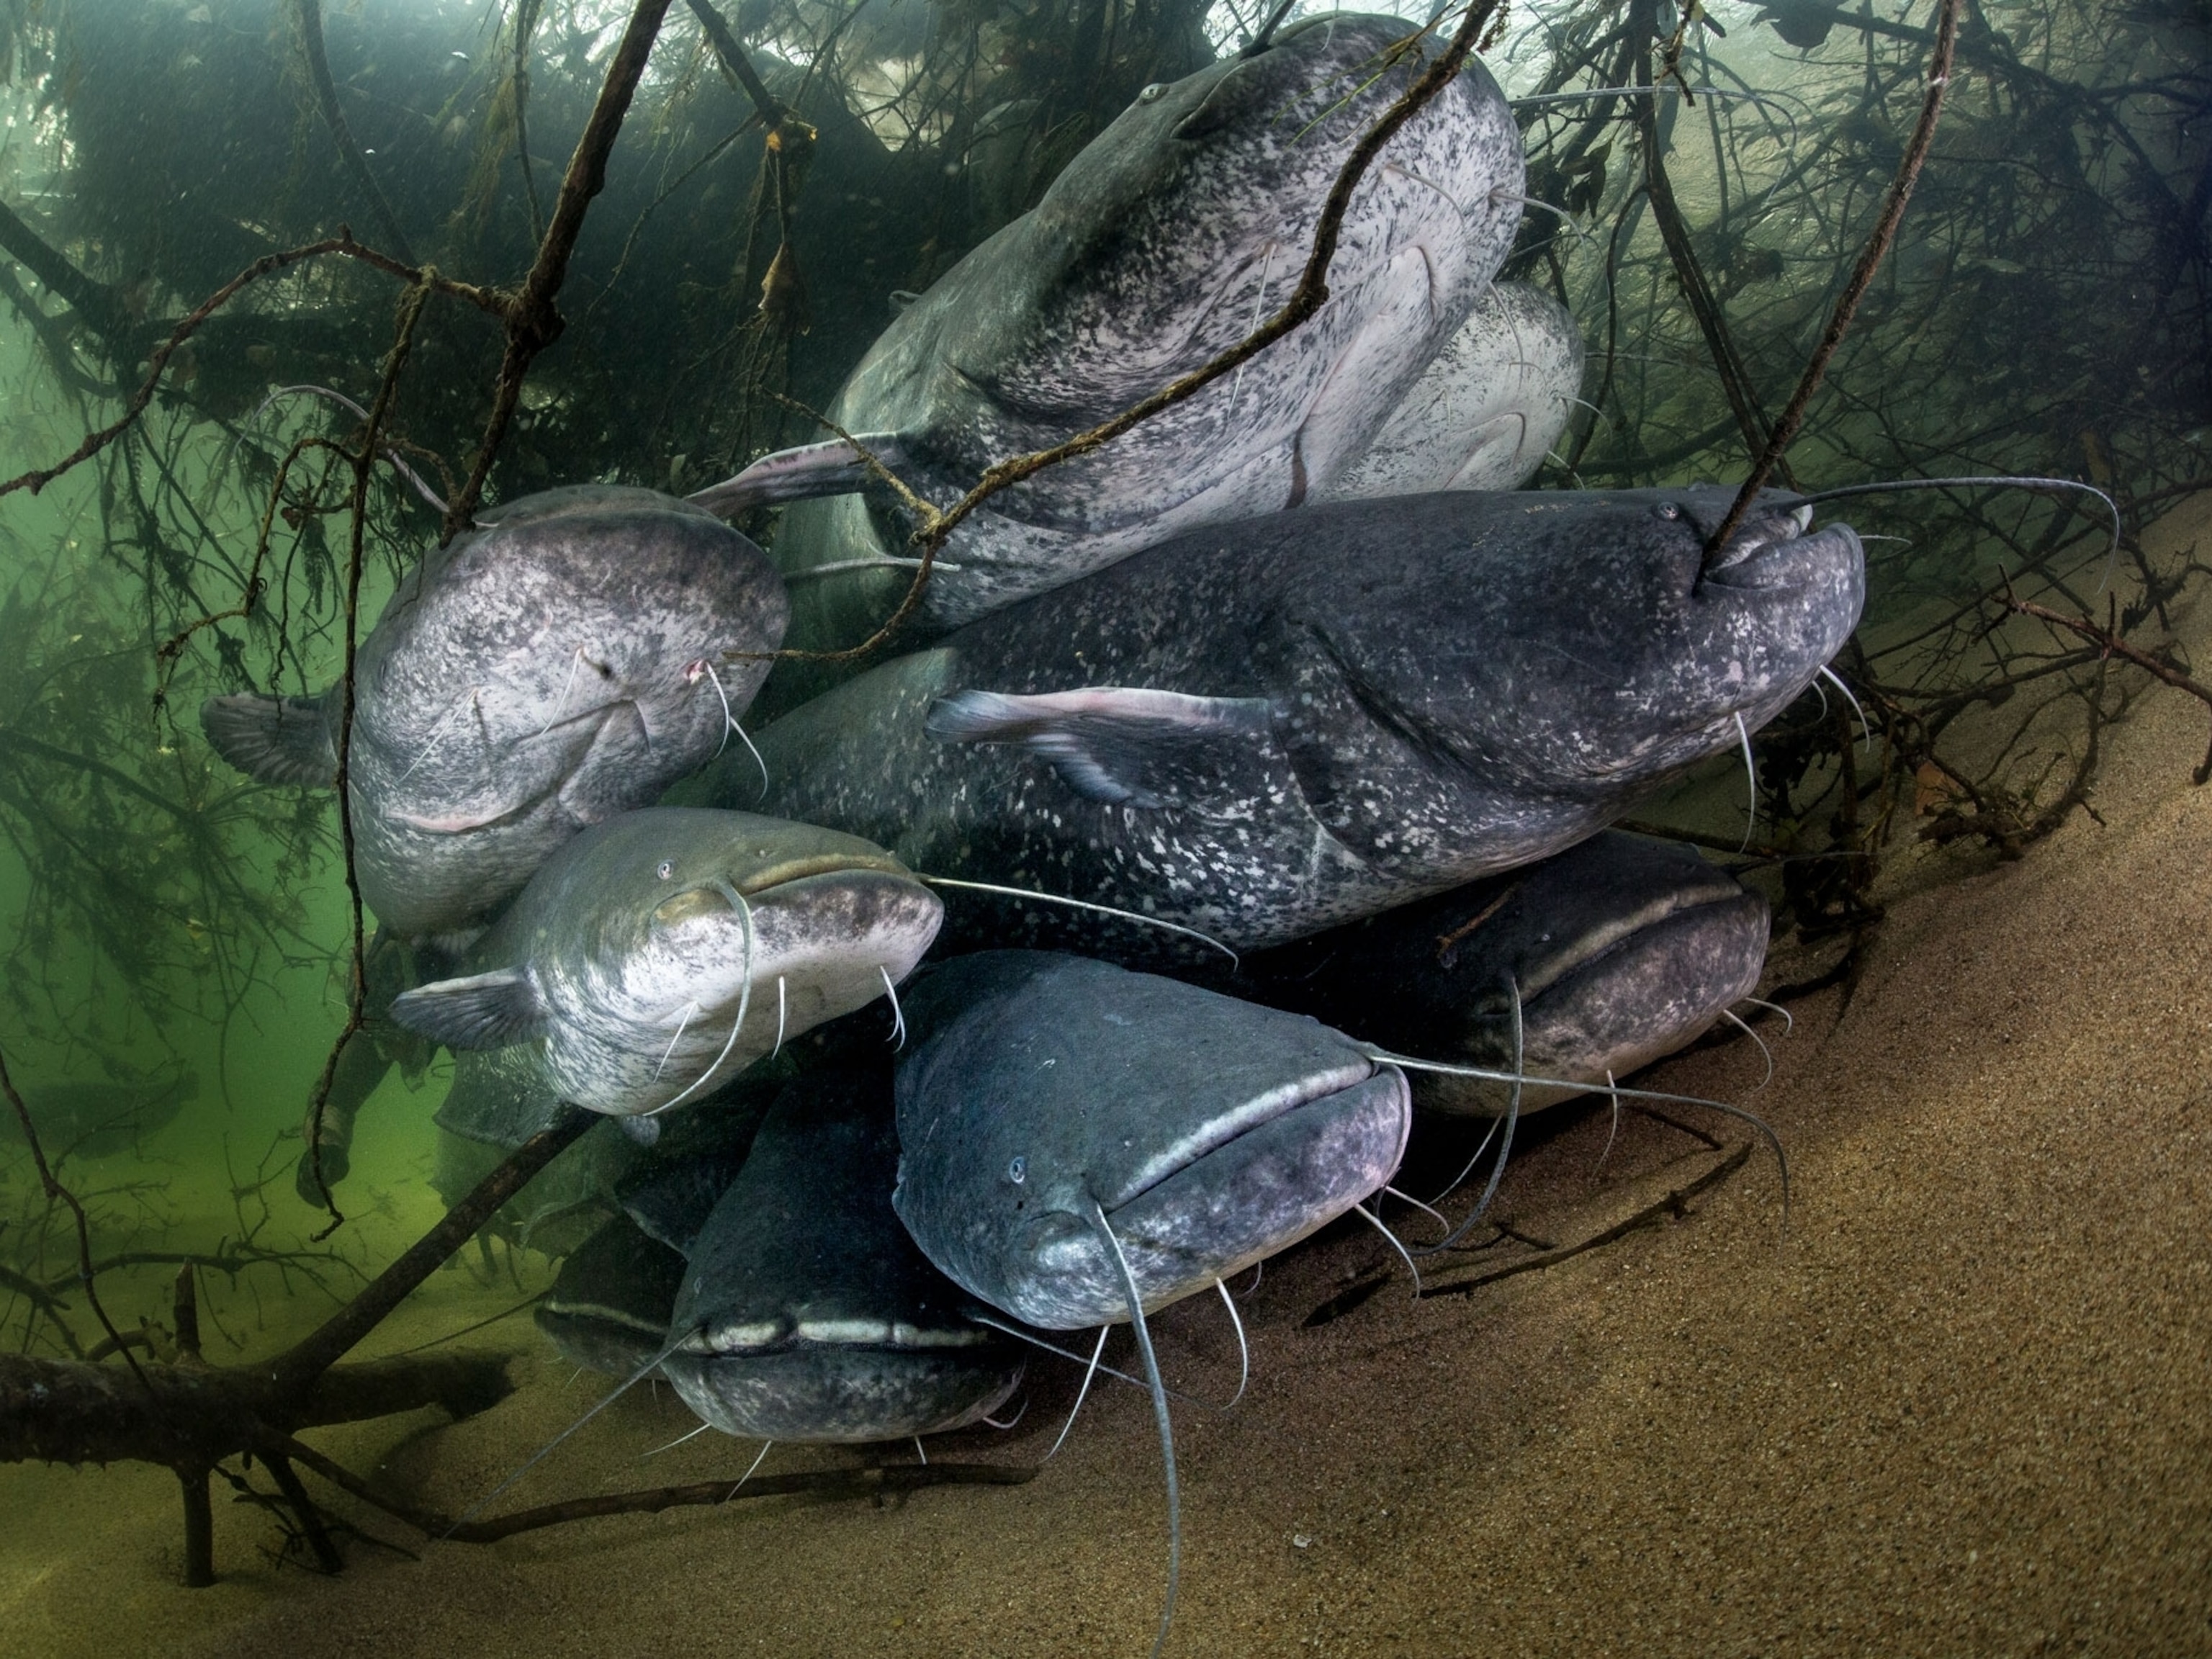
point(1123, 745)
point(834, 468)
point(481, 1011)
point(271, 739)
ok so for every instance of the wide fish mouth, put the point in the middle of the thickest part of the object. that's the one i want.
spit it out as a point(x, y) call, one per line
point(1248, 1197)
point(1237, 1120)
point(723, 984)
point(742, 1338)
point(1720, 903)
point(1778, 549)
point(844, 1394)
point(848, 923)
point(789, 883)
point(1651, 991)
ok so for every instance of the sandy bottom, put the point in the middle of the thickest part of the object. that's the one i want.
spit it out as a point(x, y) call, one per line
point(1965, 1406)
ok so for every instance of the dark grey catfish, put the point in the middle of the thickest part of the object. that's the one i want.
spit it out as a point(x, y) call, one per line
point(1174, 234)
point(500, 1097)
point(95, 1120)
point(1622, 950)
point(566, 660)
point(1272, 727)
point(1044, 1098)
point(806, 1312)
point(658, 955)
point(608, 1307)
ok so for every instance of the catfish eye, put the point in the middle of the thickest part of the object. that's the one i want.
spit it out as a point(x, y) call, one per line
point(667, 869)
point(1669, 510)
point(1019, 1171)
point(1153, 94)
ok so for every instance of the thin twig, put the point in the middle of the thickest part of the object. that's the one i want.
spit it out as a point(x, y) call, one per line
point(316, 1354)
point(343, 245)
point(533, 320)
point(1671, 1204)
point(363, 461)
point(2109, 641)
point(310, 15)
point(1847, 305)
point(57, 1192)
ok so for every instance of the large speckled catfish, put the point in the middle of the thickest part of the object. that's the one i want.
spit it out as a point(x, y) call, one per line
point(1173, 234)
point(1272, 727)
point(660, 953)
point(806, 1312)
point(566, 660)
point(1621, 950)
point(1045, 1099)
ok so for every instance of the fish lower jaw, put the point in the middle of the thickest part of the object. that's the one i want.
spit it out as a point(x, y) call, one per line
point(841, 1396)
point(1238, 1205)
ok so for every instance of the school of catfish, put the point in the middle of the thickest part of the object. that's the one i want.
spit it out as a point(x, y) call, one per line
point(1294, 673)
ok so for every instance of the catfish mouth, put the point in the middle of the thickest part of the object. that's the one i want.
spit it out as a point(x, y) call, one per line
point(754, 1339)
point(824, 871)
point(1778, 549)
point(1340, 1084)
point(1621, 935)
point(806, 866)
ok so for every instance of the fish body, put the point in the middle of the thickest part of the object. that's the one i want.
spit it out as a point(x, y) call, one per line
point(608, 1305)
point(1177, 231)
point(1486, 409)
point(96, 1119)
point(567, 660)
point(1273, 727)
point(1043, 1098)
point(562, 1205)
point(1622, 950)
point(656, 955)
point(806, 1312)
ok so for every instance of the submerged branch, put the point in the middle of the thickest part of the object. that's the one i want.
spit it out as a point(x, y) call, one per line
point(1847, 305)
point(533, 320)
point(309, 14)
point(2111, 644)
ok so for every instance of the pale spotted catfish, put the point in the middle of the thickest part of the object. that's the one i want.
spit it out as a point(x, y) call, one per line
point(1273, 727)
point(567, 660)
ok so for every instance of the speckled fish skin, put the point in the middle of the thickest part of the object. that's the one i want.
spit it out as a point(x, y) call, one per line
point(1211, 1132)
point(534, 677)
point(1487, 409)
point(1173, 234)
point(625, 963)
point(1624, 950)
point(1365, 703)
point(806, 1312)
